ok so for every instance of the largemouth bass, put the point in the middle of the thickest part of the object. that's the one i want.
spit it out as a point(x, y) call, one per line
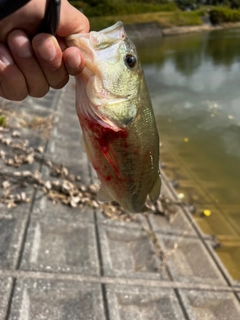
point(117, 120)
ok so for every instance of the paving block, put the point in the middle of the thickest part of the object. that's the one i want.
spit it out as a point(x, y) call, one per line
point(55, 300)
point(65, 152)
point(49, 101)
point(130, 302)
point(35, 107)
point(68, 130)
point(189, 261)
point(45, 207)
point(69, 94)
point(64, 245)
point(5, 288)
point(167, 190)
point(71, 156)
point(11, 233)
point(22, 208)
point(210, 305)
point(178, 223)
point(94, 176)
point(129, 253)
point(67, 124)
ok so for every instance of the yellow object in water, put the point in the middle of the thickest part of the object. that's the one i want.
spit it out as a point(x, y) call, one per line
point(207, 213)
point(181, 195)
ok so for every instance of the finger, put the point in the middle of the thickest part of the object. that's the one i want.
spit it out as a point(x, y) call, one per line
point(26, 18)
point(76, 24)
point(12, 82)
point(74, 61)
point(49, 56)
point(23, 56)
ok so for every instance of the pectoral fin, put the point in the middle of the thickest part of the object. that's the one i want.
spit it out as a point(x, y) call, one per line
point(106, 145)
point(112, 160)
point(103, 195)
point(154, 194)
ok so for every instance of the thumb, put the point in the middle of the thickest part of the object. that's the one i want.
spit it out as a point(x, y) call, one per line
point(71, 20)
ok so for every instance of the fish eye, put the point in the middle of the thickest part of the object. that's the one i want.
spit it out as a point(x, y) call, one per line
point(130, 61)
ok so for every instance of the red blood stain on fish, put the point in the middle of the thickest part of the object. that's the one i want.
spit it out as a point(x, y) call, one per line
point(108, 136)
point(104, 137)
point(105, 140)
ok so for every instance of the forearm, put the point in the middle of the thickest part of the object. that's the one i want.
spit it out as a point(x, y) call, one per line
point(9, 6)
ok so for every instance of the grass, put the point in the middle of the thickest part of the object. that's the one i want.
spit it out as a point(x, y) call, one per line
point(3, 121)
point(164, 19)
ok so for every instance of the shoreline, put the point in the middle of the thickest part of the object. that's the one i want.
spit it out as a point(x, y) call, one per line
point(153, 30)
point(192, 29)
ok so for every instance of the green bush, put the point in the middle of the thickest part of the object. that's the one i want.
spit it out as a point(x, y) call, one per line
point(223, 15)
point(234, 4)
point(187, 4)
point(163, 19)
point(186, 19)
point(109, 7)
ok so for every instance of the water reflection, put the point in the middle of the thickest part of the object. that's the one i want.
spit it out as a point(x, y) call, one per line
point(218, 47)
point(194, 84)
point(223, 47)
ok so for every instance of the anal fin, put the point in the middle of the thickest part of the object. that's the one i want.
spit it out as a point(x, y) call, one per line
point(103, 195)
point(154, 194)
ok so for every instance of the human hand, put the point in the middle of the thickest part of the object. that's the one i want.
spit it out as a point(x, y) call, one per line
point(32, 67)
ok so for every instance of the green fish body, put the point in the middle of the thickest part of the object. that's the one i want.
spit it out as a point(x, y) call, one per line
point(117, 120)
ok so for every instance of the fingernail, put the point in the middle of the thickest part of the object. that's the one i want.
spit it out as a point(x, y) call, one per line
point(46, 48)
point(5, 57)
point(19, 42)
point(73, 60)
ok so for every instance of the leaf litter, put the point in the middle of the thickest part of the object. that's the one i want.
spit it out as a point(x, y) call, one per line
point(60, 186)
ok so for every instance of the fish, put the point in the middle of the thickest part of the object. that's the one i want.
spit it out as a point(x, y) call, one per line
point(117, 120)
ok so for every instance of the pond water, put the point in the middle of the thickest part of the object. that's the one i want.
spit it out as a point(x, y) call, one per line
point(194, 82)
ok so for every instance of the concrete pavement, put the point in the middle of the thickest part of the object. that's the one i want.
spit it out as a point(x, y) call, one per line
point(59, 263)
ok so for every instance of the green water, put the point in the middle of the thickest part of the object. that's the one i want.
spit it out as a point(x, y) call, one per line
point(194, 82)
